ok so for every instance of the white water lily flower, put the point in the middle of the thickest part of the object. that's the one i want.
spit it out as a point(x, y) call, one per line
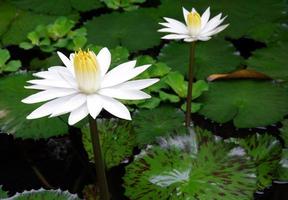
point(85, 87)
point(197, 27)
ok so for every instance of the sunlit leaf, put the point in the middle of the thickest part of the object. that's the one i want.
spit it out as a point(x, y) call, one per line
point(248, 103)
point(117, 141)
point(13, 112)
point(3, 194)
point(161, 121)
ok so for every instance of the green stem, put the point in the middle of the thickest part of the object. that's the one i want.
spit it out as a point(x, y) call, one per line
point(190, 85)
point(99, 162)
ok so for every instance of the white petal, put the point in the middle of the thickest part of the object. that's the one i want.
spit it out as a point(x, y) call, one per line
point(191, 39)
point(94, 105)
point(37, 87)
point(115, 107)
point(185, 13)
point(137, 84)
point(175, 37)
point(67, 62)
point(48, 95)
point(171, 30)
point(215, 31)
point(47, 108)
point(77, 115)
point(124, 94)
point(104, 59)
point(71, 104)
point(205, 17)
point(52, 83)
point(213, 23)
point(119, 74)
point(175, 24)
point(204, 38)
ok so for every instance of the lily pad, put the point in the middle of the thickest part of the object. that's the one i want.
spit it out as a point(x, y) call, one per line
point(3, 194)
point(265, 150)
point(215, 56)
point(124, 29)
point(42, 194)
point(117, 141)
point(174, 171)
point(271, 61)
point(248, 103)
point(13, 112)
point(161, 121)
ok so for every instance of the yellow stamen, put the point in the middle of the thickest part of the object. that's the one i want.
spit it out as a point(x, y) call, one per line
point(87, 71)
point(194, 21)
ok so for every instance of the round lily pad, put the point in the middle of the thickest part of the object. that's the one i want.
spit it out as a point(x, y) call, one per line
point(248, 103)
point(13, 112)
point(215, 56)
point(135, 30)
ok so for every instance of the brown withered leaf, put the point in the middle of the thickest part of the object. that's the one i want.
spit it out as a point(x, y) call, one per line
point(239, 74)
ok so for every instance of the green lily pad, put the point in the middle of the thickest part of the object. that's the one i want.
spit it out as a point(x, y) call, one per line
point(127, 5)
point(176, 170)
point(13, 112)
point(283, 169)
point(117, 141)
point(271, 61)
point(284, 132)
point(3, 194)
point(266, 152)
point(124, 29)
point(215, 56)
point(42, 194)
point(248, 103)
point(56, 7)
point(161, 121)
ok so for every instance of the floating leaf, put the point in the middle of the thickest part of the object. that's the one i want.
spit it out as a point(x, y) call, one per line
point(176, 170)
point(265, 151)
point(117, 141)
point(161, 121)
point(271, 61)
point(3, 194)
point(176, 81)
point(284, 132)
point(122, 29)
point(53, 60)
point(42, 194)
point(283, 169)
point(239, 74)
point(168, 97)
point(13, 112)
point(248, 103)
point(125, 4)
point(215, 56)
point(11, 66)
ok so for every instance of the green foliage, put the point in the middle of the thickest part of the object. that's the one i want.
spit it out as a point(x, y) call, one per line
point(215, 56)
point(283, 169)
point(3, 194)
point(265, 151)
point(271, 61)
point(124, 4)
point(57, 35)
point(56, 7)
point(124, 29)
point(8, 66)
point(117, 141)
point(284, 132)
point(13, 112)
point(248, 103)
point(161, 121)
point(42, 194)
point(179, 169)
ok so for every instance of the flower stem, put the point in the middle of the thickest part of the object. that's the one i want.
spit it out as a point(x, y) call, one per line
point(190, 85)
point(99, 162)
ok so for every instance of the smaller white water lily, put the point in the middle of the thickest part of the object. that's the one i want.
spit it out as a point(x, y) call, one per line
point(85, 87)
point(197, 27)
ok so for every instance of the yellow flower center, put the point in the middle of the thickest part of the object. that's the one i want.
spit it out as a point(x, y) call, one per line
point(87, 71)
point(194, 22)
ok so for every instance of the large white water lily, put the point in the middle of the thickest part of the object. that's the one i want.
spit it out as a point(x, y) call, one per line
point(196, 28)
point(84, 86)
